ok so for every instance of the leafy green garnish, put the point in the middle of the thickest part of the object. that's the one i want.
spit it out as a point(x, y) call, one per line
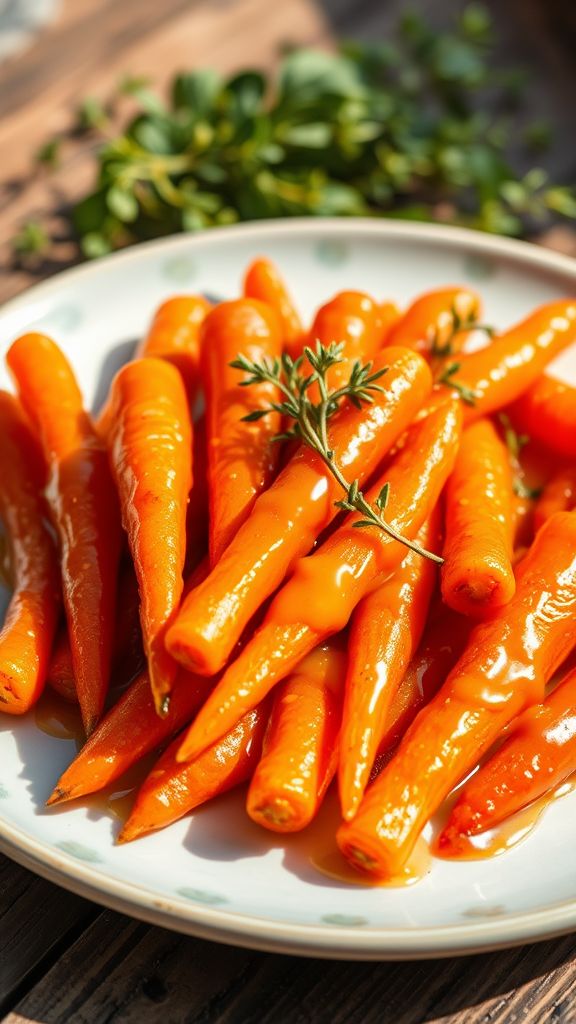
point(395, 128)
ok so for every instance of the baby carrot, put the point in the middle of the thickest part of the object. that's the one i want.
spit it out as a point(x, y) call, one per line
point(503, 670)
point(539, 754)
point(498, 374)
point(287, 518)
point(301, 744)
point(386, 629)
point(389, 316)
point(477, 574)
point(150, 443)
point(428, 325)
point(263, 282)
point(173, 335)
point(172, 790)
point(444, 640)
point(28, 631)
point(60, 676)
point(320, 596)
point(130, 730)
point(84, 506)
point(558, 495)
point(242, 456)
point(354, 321)
point(547, 412)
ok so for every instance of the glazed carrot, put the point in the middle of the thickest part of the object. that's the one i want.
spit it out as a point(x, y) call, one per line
point(173, 335)
point(150, 443)
point(444, 640)
point(32, 615)
point(386, 629)
point(477, 574)
point(172, 790)
point(287, 518)
point(263, 282)
point(501, 372)
point(539, 754)
point(354, 321)
point(427, 326)
point(320, 596)
point(547, 412)
point(559, 495)
point(129, 731)
point(84, 506)
point(197, 511)
point(242, 456)
point(389, 316)
point(60, 676)
point(503, 670)
point(300, 751)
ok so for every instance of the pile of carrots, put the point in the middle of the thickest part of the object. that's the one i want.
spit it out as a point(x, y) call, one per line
point(195, 589)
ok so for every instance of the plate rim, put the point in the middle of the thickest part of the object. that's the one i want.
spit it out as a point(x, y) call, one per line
point(221, 925)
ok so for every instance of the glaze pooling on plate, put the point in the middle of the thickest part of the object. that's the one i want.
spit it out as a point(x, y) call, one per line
point(217, 874)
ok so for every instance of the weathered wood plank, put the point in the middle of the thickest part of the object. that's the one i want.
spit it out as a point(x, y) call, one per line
point(36, 921)
point(125, 972)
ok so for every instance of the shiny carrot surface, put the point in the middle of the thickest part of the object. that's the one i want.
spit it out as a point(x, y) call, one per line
point(150, 443)
point(264, 282)
point(289, 516)
point(300, 752)
point(558, 495)
point(389, 314)
point(385, 632)
point(320, 596)
point(354, 321)
point(503, 670)
point(129, 731)
point(84, 507)
point(174, 335)
point(242, 456)
point(477, 575)
point(539, 754)
point(60, 675)
point(172, 790)
point(31, 618)
point(513, 361)
point(427, 326)
point(547, 412)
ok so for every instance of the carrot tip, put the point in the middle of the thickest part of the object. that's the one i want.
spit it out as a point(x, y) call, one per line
point(128, 833)
point(58, 796)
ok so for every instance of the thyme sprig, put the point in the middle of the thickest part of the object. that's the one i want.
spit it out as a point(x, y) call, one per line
point(309, 412)
point(448, 377)
point(515, 442)
point(442, 347)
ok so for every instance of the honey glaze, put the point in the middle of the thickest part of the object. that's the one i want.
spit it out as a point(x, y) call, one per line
point(503, 837)
point(118, 798)
point(59, 718)
point(330, 862)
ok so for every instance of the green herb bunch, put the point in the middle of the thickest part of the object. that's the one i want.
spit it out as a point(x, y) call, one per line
point(393, 129)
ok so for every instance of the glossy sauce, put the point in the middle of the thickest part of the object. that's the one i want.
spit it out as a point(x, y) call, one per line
point(329, 861)
point(59, 718)
point(6, 576)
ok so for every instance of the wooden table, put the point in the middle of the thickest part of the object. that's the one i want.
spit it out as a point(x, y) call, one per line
point(63, 959)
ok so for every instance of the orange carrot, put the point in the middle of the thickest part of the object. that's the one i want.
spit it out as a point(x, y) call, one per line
point(60, 675)
point(28, 631)
point(84, 507)
point(172, 790)
point(503, 670)
point(386, 629)
point(173, 335)
point(547, 412)
point(129, 731)
point(559, 495)
point(539, 754)
point(287, 518)
point(324, 588)
point(197, 511)
point(242, 456)
point(354, 321)
point(389, 314)
point(501, 372)
point(300, 752)
point(427, 326)
point(444, 640)
point(263, 282)
point(477, 574)
point(150, 443)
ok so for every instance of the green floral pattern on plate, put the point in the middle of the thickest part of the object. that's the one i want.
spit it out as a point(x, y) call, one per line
point(201, 896)
point(478, 267)
point(180, 269)
point(332, 252)
point(344, 920)
point(79, 851)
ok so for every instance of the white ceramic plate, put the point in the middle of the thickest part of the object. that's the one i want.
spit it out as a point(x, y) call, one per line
point(216, 875)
